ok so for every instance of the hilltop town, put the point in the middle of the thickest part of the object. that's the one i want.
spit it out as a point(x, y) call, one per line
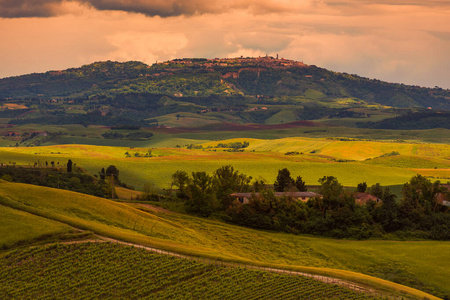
point(261, 61)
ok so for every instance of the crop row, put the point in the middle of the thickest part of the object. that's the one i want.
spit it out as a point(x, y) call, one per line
point(91, 270)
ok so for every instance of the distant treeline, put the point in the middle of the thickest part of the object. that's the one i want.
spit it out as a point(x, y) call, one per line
point(56, 178)
point(413, 120)
point(134, 136)
point(83, 119)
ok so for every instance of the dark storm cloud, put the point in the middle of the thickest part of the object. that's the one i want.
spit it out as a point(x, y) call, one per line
point(27, 8)
point(163, 8)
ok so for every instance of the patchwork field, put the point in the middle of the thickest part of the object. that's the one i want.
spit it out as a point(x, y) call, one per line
point(419, 264)
point(352, 162)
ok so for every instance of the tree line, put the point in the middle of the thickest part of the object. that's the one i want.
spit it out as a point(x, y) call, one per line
point(68, 177)
point(334, 213)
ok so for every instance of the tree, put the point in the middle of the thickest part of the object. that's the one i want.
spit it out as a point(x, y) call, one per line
point(112, 171)
point(421, 194)
point(331, 190)
point(362, 187)
point(330, 187)
point(228, 181)
point(201, 195)
point(300, 184)
point(376, 190)
point(259, 185)
point(389, 211)
point(180, 179)
point(102, 174)
point(69, 166)
point(284, 181)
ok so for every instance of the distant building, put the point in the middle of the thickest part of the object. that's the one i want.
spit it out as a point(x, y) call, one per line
point(12, 134)
point(444, 198)
point(300, 196)
point(363, 198)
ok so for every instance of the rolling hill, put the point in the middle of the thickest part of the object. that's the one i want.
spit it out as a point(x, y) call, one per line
point(414, 262)
point(241, 90)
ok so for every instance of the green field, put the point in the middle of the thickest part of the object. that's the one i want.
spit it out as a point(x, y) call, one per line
point(351, 161)
point(92, 271)
point(419, 264)
point(19, 227)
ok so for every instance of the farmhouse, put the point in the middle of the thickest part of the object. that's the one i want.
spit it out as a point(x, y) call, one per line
point(444, 198)
point(301, 196)
point(12, 134)
point(363, 198)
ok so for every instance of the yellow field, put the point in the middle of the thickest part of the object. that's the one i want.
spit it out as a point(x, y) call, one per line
point(346, 160)
point(13, 106)
point(352, 150)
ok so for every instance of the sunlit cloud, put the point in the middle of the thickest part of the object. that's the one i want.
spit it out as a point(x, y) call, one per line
point(400, 40)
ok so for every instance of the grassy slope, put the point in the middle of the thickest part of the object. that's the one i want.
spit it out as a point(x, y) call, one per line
point(17, 226)
point(420, 264)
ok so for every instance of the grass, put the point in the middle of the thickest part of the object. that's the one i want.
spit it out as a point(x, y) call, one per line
point(354, 150)
point(411, 162)
point(126, 194)
point(186, 119)
point(268, 157)
point(158, 170)
point(313, 94)
point(18, 227)
point(420, 264)
point(284, 116)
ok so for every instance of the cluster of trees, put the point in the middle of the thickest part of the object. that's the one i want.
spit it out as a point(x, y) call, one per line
point(335, 213)
point(110, 177)
point(233, 145)
point(71, 179)
point(285, 182)
point(135, 136)
point(204, 194)
point(413, 120)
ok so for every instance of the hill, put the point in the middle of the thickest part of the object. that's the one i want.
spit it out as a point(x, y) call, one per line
point(240, 90)
point(412, 263)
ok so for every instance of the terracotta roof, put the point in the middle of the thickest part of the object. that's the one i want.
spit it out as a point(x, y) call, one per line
point(364, 197)
point(281, 194)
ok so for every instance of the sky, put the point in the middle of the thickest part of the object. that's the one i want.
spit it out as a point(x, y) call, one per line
point(404, 41)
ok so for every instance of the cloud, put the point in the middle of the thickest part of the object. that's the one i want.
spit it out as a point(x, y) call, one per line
point(162, 8)
point(400, 40)
point(172, 8)
point(28, 8)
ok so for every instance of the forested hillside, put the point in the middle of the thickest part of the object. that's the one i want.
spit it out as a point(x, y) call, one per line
point(242, 90)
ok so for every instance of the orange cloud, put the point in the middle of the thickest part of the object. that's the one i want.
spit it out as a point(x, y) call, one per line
point(401, 41)
point(163, 8)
